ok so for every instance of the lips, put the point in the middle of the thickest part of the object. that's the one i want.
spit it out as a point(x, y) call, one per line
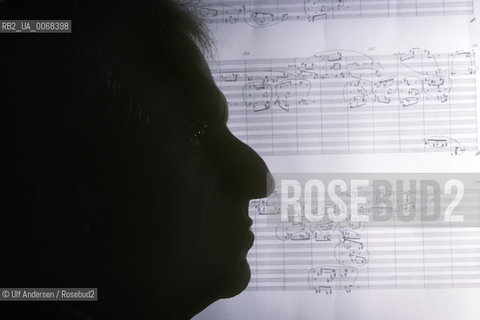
point(246, 238)
point(242, 235)
point(251, 239)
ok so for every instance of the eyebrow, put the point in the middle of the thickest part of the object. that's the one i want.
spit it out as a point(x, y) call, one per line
point(219, 103)
point(225, 108)
point(213, 101)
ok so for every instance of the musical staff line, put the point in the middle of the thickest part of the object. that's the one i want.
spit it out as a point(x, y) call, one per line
point(382, 258)
point(324, 256)
point(266, 13)
point(342, 101)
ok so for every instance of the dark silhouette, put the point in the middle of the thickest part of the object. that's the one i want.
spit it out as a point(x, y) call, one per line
point(119, 171)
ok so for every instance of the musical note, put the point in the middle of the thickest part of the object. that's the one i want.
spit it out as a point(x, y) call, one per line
point(365, 85)
point(270, 12)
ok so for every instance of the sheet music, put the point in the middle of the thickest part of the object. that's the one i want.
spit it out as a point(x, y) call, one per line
point(345, 255)
point(344, 86)
point(349, 102)
point(270, 12)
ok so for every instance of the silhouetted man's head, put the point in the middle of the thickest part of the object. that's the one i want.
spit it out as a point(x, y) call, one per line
point(120, 171)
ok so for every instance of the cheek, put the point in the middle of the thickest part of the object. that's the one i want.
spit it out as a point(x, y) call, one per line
point(204, 212)
point(212, 230)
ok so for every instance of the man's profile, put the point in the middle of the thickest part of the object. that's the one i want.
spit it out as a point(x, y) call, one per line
point(120, 172)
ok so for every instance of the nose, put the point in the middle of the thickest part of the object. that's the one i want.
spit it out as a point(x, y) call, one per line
point(245, 169)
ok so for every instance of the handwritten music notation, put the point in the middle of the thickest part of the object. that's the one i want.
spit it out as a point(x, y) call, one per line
point(349, 251)
point(327, 257)
point(269, 12)
point(342, 101)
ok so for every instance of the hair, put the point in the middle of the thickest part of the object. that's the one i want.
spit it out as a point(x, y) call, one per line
point(80, 125)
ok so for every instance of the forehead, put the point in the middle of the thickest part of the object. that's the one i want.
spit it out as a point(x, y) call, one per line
point(206, 97)
point(176, 81)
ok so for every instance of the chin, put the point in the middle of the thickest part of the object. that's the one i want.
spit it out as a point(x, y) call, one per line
point(237, 279)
